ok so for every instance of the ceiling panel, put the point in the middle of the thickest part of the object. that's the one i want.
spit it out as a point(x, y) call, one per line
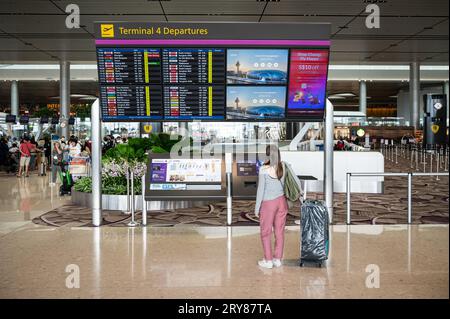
point(390, 26)
point(36, 24)
point(107, 7)
point(42, 24)
point(212, 18)
point(314, 7)
point(415, 7)
point(11, 44)
point(213, 6)
point(28, 6)
point(334, 21)
point(23, 56)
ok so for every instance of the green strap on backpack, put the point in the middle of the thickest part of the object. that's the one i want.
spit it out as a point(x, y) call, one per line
point(291, 189)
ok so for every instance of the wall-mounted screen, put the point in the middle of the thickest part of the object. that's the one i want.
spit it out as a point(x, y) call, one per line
point(256, 102)
point(186, 170)
point(24, 119)
point(233, 84)
point(257, 66)
point(248, 168)
point(10, 119)
point(307, 83)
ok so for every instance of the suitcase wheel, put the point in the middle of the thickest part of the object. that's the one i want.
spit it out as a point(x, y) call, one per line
point(301, 264)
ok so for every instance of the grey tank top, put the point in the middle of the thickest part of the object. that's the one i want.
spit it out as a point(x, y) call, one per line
point(273, 188)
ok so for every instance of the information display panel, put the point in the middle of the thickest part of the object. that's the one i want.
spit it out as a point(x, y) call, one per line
point(256, 102)
point(188, 178)
point(198, 65)
point(186, 102)
point(131, 102)
point(129, 65)
point(257, 66)
point(193, 66)
point(307, 83)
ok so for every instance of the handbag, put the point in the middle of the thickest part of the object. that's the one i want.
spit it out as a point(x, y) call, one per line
point(291, 188)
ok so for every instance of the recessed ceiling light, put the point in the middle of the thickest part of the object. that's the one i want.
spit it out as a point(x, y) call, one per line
point(346, 94)
point(336, 97)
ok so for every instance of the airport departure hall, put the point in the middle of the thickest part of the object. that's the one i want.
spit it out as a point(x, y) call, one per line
point(205, 149)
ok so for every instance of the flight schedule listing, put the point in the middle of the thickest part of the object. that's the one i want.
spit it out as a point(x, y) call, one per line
point(129, 65)
point(193, 66)
point(185, 102)
point(131, 102)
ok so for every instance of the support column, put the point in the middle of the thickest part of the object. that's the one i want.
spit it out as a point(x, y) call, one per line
point(414, 93)
point(446, 92)
point(64, 94)
point(14, 98)
point(363, 97)
point(96, 136)
point(328, 174)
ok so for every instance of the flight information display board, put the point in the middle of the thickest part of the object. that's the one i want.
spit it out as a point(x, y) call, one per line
point(185, 71)
point(143, 84)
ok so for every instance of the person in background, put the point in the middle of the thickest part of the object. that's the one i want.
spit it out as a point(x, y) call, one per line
point(33, 152)
point(74, 148)
point(25, 155)
point(47, 151)
point(4, 151)
point(57, 157)
point(63, 143)
point(14, 148)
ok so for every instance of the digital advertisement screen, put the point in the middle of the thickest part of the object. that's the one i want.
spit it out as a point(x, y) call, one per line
point(307, 83)
point(248, 168)
point(256, 102)
point(257, 66)
point(186, 170)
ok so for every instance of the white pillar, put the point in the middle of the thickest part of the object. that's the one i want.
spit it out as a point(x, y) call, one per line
point(414, 93)
point(64, 94)
point(96, 164)
point(363, 97)
point(328, 178)
point(14, 98)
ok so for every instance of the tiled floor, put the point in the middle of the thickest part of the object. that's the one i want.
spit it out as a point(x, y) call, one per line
point(208, 262)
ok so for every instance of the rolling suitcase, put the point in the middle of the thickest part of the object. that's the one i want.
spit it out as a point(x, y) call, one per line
point(314, 233)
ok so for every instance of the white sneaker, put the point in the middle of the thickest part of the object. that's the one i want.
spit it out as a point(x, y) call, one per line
point(265, 264)
point(277, 263)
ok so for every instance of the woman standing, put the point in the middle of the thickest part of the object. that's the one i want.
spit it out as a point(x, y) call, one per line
point(272, 206)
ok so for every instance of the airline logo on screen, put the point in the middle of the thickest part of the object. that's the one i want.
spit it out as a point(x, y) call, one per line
point(107, 30)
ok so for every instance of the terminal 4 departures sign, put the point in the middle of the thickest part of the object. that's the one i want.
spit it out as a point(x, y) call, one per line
point(212, 71)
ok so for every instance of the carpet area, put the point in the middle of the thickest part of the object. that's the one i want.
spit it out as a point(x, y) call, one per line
point(430, 206)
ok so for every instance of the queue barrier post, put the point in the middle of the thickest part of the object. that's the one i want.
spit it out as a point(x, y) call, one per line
point(144, 202)
point(132, 223)
point(348, 197)
point(409, 198)
point(409, 175)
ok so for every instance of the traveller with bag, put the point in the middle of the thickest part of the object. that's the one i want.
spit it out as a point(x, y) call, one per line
point(278, 189)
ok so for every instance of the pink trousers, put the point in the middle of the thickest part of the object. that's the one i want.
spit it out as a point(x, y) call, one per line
point(273, 215)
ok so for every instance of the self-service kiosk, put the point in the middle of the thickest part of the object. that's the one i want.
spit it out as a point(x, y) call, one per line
point(245, 175)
